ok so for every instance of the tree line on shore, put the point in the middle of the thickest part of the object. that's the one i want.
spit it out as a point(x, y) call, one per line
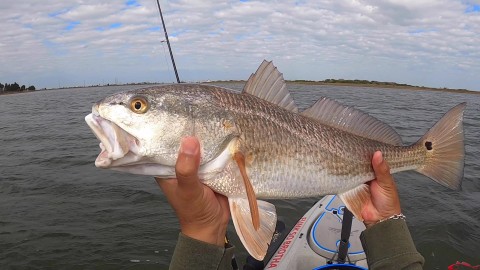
point(15, 87)
point(345, 81)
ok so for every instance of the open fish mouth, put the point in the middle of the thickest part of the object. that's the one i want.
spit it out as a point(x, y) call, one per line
point(122, 151)
point(118, 147)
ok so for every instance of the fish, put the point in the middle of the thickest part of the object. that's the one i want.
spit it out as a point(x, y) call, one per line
point(257, 145)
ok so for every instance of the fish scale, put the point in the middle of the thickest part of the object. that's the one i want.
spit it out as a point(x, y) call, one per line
point(286, 145)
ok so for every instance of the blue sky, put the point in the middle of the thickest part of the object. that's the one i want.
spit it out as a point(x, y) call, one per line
point(68, 43)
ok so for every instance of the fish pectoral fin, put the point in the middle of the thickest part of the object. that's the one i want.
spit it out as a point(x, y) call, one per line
point(252, 199)
point(255, 241)
point(355, 199)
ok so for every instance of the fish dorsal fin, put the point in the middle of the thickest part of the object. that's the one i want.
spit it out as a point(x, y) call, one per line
point(267, 83)
point(334, 114)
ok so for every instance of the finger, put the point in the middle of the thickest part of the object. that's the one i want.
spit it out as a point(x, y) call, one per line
point(223, 200)
point(166, 185)
point(187, 164)
point(381, 169)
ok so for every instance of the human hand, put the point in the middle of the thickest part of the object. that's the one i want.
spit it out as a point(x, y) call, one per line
point(384, 201)
point(202, 213)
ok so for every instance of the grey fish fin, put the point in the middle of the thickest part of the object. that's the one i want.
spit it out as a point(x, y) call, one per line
point(445, 150)
point(267, 83)
point(334, 114)
point(355, 199)
point(252, 199)
point(256, 242)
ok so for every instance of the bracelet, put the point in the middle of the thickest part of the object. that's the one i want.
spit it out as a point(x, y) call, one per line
point(397, 216)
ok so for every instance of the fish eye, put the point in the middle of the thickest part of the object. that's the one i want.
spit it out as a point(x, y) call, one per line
point(139, 105)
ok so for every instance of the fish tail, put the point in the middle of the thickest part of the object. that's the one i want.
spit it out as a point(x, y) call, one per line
point(445, 152)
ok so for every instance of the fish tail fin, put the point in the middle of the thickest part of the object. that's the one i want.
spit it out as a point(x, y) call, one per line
point(255, 241)
point(445, 152)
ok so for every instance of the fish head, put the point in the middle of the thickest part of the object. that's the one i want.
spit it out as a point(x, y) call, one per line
point(140, 131)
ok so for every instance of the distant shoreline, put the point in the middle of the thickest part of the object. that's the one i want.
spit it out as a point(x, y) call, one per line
point(16, 92)
point(346, 83)
point(403, 87)
point(349, 83)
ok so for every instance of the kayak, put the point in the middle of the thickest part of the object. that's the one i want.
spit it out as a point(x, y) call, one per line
point(316, 241)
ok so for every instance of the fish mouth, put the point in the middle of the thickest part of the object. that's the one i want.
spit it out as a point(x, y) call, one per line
point(118, 147)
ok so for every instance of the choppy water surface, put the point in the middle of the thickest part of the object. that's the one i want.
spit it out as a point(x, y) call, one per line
point(57, 211)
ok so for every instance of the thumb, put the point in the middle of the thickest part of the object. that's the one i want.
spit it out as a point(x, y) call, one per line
point(382, 170)
point(187, 164)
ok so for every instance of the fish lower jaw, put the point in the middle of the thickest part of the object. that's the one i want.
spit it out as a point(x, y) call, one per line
point(117, 146)
point(106, 157)
point(153, 169)
point(102, 161)
point(118, 157)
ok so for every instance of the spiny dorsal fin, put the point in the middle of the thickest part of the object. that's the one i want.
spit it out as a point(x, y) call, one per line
point(334, 114)
point(267, 83)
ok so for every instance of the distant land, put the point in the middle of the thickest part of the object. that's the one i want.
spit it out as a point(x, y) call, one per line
point(366, 83)
point(102, 85)
point(29, 90)
point(14, 88)
point(337, 82)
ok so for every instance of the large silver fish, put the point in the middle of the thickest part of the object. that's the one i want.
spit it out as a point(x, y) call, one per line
point(256, 144)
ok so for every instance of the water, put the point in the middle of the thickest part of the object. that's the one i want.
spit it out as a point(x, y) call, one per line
point(57, 211)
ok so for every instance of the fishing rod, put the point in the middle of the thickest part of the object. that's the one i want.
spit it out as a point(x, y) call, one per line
point(234, 261)
point(168, 42)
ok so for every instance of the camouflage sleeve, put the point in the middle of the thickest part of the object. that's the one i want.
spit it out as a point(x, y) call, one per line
point(194, 254)
point(389, 245)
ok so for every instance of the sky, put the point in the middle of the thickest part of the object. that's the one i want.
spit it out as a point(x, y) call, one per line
point(51, 43)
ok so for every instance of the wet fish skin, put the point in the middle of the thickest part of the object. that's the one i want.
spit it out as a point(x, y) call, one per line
point(326, 149)
point(169, 118)
point(279, 145)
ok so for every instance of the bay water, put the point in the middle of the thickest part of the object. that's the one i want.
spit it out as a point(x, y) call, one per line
point(58, 211)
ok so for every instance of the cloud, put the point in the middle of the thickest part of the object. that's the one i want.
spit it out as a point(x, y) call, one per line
point(422, 42)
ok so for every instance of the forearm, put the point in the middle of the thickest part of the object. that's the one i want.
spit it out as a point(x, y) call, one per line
point(194, 254)
point(389, 245)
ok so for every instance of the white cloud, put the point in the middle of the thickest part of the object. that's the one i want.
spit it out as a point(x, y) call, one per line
point(423, 42)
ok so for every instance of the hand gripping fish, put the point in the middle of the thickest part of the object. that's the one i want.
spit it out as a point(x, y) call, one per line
point(256, 144)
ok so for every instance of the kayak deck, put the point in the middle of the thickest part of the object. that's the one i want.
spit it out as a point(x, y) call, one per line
point(314, 240)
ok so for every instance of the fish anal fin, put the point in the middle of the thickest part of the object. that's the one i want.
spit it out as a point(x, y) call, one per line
point(252, 199)
point(355, 199)
point(331, 113)
point(256, 242)
point(268, 84)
